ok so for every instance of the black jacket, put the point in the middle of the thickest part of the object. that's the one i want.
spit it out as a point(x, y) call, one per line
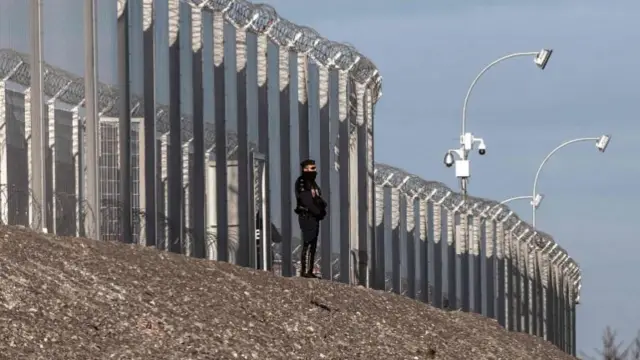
point(306, 203)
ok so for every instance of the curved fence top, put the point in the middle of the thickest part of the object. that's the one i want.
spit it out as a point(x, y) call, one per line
point(260, 18)
point(69, 89)
point(414, 186)
point(263, 19)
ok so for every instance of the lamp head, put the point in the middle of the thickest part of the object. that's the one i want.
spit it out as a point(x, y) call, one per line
point(542, 58)
point(603, 142)
point(537, 200)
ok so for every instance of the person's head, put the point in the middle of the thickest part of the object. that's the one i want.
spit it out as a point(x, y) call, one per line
point(309, 169)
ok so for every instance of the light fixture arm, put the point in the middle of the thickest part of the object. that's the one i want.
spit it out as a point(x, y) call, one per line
point(524, 197)
point(473, 83)
point(535, 180)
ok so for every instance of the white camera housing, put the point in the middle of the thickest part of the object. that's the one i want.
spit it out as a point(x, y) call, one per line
point(482, 148)
point(448, 159)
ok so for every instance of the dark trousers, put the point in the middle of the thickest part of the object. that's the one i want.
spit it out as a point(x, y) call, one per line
point(310, 227)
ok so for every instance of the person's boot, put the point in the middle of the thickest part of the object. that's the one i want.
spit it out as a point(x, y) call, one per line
point(311, 257)
point(303, 261)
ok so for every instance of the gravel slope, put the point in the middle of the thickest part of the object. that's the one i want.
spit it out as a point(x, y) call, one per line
point(63, 298)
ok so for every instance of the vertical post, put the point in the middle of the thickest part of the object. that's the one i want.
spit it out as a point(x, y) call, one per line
point(546, 297)
point(451, 262)
point(509, 273)
point(210, 203)
point(335, 210)
point(263, 145)
point(550, 311)
point(285, 161)
point(365, 252)
point(362, 181)
point(501, 310)
point(345, 114)
point(395, 241)
point(326, 163)
point(525, 293)
point(462, 249)
point(423, 236)
point(4, 166)
point(411, 231)
point(37, 113)
point(246, 239)
point(489, 275)
point(175, 131)
point(379, 255)
point(78, 169)
point(561, 309)
point(51, 148)
point(402, 242)
point(199, 158)
point(541, 285)
point(124, 122)
point(27, 139)
point(517, 273)
point(479, 233)
point(164, 178)
point(438, 240)
point(186, 151)
point(303, 108)
point(253, 242)
point(387, 227)
point(150, 138)
point(219, 84)
point(574, 329)
point(533, 290)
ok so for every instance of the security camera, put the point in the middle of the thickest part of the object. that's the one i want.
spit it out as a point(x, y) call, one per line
point(448, 159)
point(482, 148)
point(542, 58)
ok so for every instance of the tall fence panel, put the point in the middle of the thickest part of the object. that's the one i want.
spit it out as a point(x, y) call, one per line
point(479, 256)
point(202, 113)
point(215, 100)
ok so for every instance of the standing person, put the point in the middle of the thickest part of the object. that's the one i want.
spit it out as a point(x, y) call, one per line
point(311, 209)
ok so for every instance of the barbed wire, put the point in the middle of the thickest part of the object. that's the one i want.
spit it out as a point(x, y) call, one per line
point(264, 19)
point(413, 186)
point(260, 19)
point(64, 212)
point(14, 206)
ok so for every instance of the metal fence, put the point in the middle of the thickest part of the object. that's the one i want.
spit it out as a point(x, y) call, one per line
point(226, 99)
point(472, 254)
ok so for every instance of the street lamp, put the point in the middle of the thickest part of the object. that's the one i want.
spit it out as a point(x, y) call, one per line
point(467, 140)
point(601, 144)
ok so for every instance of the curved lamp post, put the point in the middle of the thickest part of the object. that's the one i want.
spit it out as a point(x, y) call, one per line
point(601, 144)
point(467, 140)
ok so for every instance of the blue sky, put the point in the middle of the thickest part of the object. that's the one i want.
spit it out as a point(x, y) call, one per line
point(428, 52)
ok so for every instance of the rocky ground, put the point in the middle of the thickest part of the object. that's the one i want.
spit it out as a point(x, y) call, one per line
point(63, 298)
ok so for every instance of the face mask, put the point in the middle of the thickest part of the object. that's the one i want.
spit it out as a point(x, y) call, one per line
point(309, 175)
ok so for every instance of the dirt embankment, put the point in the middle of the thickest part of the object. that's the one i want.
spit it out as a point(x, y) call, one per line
point(63, 298)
